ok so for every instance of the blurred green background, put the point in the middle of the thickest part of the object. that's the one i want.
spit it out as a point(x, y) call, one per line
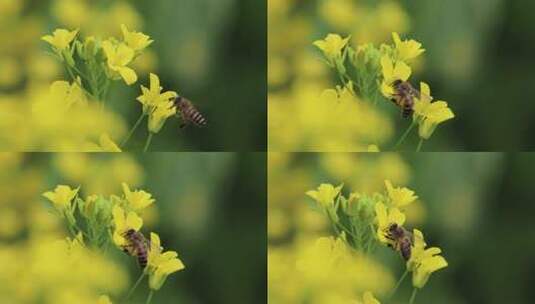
point(209, 51)
point(213, 52)
point(475, 206)
point(210, 208)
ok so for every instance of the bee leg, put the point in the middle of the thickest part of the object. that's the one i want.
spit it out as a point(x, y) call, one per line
point(183, 125)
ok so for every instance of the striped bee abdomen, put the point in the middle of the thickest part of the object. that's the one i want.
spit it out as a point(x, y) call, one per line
point(188, 112)
point(137, 246)
point(142, 260)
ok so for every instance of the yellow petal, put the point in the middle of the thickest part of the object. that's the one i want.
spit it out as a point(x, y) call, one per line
point(387, 67)
point(402, 71)
point(396, 216)
point(133, 221)
point(124, 55)
point(154, 83)
point(425, 89)
point(129, 75)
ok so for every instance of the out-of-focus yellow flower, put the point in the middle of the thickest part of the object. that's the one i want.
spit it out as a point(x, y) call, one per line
point(135, 40)
point(152, 97)
point(407, 49)
point(72, 13)
point(145, 62)
point(400, 197)
point(423, 262)
point(61, 197)
point(430, 114)
point(104, 300)
point(392, 72)
point(11, 71)
point(330, 263)
point(61, 38)
point(123, 224)
point(373, 148)
point(107, 144)
point(137, 199)
point(386, 217)
point(341, 14)
point(332, 46)
point(368, 298)
point(325, 194)
point(119, 56)
point(161, 264)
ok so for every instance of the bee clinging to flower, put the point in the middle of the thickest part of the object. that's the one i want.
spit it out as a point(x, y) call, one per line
point(402, 240)
point(136, 246)
point(404, 96)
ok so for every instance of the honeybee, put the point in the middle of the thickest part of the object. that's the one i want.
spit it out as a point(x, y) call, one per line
point(137, 246)
point(404, 95)
point(402, 240)
point(189, 113)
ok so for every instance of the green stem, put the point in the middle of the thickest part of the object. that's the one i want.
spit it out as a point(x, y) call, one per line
point(104, 95)
point(371, 241)
point(347, 230)
point(131, 132)
point(151, 293)
point(419, 145)
point(79, 72)
point(403, 276)
point(413, 295)
point(135, 286)
point(404, 136)
point(147, 143)
point(73, 78)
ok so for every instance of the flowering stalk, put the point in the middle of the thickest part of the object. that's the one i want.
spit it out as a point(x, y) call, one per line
point(94, 63)
point(375, 74)
point(109, 220)
point(365, 221)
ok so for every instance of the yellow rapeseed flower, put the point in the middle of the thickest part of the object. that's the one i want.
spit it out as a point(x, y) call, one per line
point(135, 40)
point(392, 72)
point(400, 197)
point(152, 97)
point(119, 56)
point(407, 49)
point(61, 38)
point(161, 264)
point(325, 194)
point(61, 197)
point(423, 261)
point(332, 46)
point(386, 217)
point(137, 199)
point(123, 224)
point(430, 114)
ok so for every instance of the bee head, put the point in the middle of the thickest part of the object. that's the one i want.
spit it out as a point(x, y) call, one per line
point(129, 232)
point(397, 82)
point(393, 227)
